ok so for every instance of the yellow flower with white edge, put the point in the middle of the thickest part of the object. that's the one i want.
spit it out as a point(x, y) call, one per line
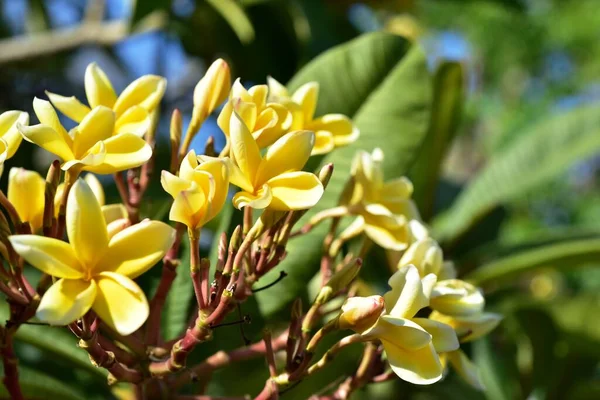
point(411, 344)
point(132, 107)
point(93, 271)
point(199, 192)
point(266, 121)
point(26, 190)
point(331, 130)
point(276, 180)
point(90, 146)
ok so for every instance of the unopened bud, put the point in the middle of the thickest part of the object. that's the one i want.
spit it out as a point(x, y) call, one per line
point(175, 138)
point(348, 193)
point(297, 309)
point(236, 239)
point(339, 281)
point(53, 175)
point(455, 297)
point(360, 313)
point(424, 254)
point(211, 91)
point(209, 147)
point(325, 174)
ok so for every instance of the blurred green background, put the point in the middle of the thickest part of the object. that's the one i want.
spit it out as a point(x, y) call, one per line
point(513, 197)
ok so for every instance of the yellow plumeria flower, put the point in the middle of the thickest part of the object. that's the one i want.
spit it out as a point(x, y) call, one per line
point(411, 344)
point(26, 191)
point(424, 254)
point(275, 180)
point(132, 107)
point(266, 121)
point(94, 271)
point(331, 130)
point(211, 90)
point(199, 192)
point(10, 138)
point(91, 146)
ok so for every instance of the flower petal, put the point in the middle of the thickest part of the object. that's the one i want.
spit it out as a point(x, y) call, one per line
point(340, 126)
point(443, 336)
point(236, 177)
point(51, 256)
point(262, 198)
point(402, 332)
point(114, 212)
point(137, 248)
point(287, 154)
point(47, 116)
point(421, 367)
point(98, 88)
point(120, 303)
point(407, 296)
point(26, 192)
point(96, 126)
point(388, 231)
point(69, 106)
point(244, 149)
point(219, 172)
point(9, 131)
point(146, 91)
point(173, 184)
point(189, 207)
point(307, 96)
point(424, 254)
point(66, 301)
point(123, 151)
point(295, 191)
point(456, 297)
point(96, 187)
point(213, 88)
point(92, 159)
point(276, 89)
point(48, 139)
point(135, 120)
point(324, 143)
point(465, 368)
point(86, 227)
point(469, 328)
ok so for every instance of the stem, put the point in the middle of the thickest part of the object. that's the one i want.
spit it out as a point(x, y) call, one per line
point(11, 210)
point(333, 351)
point(196, 268)
point(191, 131)
point(269, 354)
point(10, 363)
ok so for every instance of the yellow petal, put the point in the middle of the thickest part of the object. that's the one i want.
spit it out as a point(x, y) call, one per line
point(402, 332)
point(260, 200)
point(408, 295)
point(275, 120)
point(120, 303)
point(259, 95)
point(66, 301)
point(219, 172)
point(276, 89)
point(387, 230)
point(26, 191)
point(48, 139)
point(248, 112)
point(189, 207)
point(98, 88)
point(465, 368)
point(307, 96)
point(117, 226)
point(146, 91)
point(135, 120)
point(324, 143)
point(47, 116)
point(456, 297)
point(96, 126)
point(212, 89)
point(123, 152)
point(51, 256)
point(86, 227)
point(3, 154)
point(173, 184)
point(96, 187)
point(399, 188)
point(236, 176)
point(295, 191)
point(69, 106)
point(287, 154)
point(114, 212)
point(244, 148)
point(340, 127)
point(9, 131)
point(425, 254)
point(443, 336)
point(188, 165)
point(138, 248)
point(421, 367)
point(469, 328)
point(91, 160)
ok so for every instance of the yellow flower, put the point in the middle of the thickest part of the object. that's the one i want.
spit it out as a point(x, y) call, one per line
point(10, 138)
point(331, 130)
point(266, 121)
point(411, 344)
point(199, 192)
point(424, 254)
point(275, 180)
point(211, 91)
point(457, 298)
point(94, 271)
point(26, 191)
point(91, 145)
point(132, 107)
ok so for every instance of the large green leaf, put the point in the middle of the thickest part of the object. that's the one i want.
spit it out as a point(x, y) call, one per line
point(448, 99)
point(384, 84)
point(55, 340)
point(541, 153)
point(37, 385)
point(497, 369)
point(557, 255)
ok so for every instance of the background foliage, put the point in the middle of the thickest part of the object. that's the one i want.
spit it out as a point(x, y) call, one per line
point(493, 115)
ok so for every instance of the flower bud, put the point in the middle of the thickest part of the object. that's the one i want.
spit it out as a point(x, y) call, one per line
point(424, 254)
point(456, 298)
point(339, 281)
point(360, 313)
point(211, 91)
point(26, 191)
point(325, 174)
point(96, 187)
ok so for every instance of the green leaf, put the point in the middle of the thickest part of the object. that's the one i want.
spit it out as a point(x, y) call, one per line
point(448, 100)
point(37, 385)
point(384, 84)
point(55, 340)
point(541, 153)
point(557, 255)
point(497, 369)
point(177, 305)
point(237, 19)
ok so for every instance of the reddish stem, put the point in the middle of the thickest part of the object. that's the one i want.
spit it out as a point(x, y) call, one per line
point(10, 362)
